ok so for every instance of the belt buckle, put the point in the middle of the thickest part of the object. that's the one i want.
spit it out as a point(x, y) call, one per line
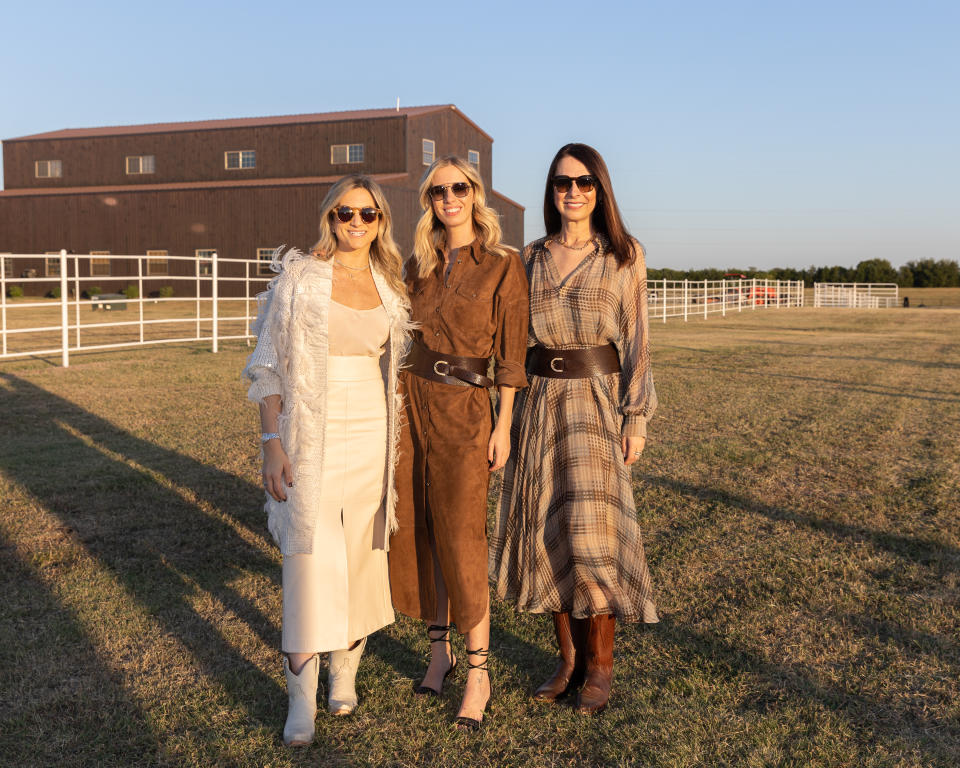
point(554, 368)
point(439, 372)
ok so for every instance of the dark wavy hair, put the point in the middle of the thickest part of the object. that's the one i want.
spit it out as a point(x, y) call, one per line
point(606, 218)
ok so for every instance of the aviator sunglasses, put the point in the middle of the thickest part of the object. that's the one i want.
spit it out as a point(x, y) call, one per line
point(367, 215)
point(584, 183)
point(459, 189)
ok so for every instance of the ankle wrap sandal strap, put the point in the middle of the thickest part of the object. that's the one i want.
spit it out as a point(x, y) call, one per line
point(444, 628)
point(482, 652)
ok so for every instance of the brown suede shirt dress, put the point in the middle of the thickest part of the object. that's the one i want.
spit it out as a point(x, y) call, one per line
point(442, 475)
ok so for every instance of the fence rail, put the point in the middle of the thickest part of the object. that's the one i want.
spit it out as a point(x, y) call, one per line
point(856, 295)
point(67, 323)
point(701, 298)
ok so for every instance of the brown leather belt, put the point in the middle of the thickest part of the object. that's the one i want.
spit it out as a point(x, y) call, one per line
point(448, 369)
point(573, 363)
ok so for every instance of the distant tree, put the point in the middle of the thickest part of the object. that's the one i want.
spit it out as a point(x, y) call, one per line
point(930, 273)
point(905, 276)
point(875, 271)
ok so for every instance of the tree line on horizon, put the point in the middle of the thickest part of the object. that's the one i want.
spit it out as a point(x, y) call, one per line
point(922, 273)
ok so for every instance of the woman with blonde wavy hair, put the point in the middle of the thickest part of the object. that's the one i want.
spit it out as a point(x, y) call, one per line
point(331, 335)
point(468, 295)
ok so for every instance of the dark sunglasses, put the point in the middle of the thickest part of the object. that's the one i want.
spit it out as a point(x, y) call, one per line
point(345, 214)
point(460, 189)
point(584, 183)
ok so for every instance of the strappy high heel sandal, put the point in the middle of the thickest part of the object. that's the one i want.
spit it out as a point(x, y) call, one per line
point(470, 723)
point(421, 689)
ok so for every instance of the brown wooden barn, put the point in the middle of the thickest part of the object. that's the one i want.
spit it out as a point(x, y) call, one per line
point(238, 187)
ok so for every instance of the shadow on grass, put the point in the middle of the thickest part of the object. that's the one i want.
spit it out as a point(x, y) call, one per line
point(164, 549)
point(922, 551)
point(49, 668)
point(780, 683)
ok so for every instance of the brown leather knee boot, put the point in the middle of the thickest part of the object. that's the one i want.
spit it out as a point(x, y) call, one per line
point(596, 688)
point(570, 666)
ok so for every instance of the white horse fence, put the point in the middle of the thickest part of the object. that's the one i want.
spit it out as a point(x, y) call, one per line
point(701, 298)
point(196, 298)
point(856, 295)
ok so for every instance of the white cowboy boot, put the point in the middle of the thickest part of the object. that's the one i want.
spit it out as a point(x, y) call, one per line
point(343, 673)
point(302, 692)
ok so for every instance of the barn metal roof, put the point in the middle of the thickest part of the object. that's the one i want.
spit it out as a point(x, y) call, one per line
point(247, 122)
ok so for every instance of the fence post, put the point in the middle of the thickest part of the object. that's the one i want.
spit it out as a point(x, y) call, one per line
point(778, 294)
point(76, 295)
point(140, 297)
point(663, 298)
point(705, 297)
point(214, 293)
point(723, 297)
point(3, 298)
point(753, 293)
point(685, 301)
point(196, 277)
point(64, 315)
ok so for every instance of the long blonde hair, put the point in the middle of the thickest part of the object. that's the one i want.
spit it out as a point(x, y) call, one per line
point(431, 235)
point(384, 252)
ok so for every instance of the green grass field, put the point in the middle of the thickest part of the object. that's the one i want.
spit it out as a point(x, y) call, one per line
point(800, 498)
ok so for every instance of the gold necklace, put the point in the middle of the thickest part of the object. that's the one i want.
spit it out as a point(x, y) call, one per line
point(576, 247)
point(352, 269)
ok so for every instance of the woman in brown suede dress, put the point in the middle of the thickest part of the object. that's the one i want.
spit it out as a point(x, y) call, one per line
point(567, 541)
point(469, 296)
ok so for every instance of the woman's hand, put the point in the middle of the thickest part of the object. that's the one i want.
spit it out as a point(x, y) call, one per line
point(277, 472)
point(498, 449)
point(632, 447)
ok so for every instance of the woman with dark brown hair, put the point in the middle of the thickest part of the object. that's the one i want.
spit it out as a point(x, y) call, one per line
point(566, 539)
point(468, 293)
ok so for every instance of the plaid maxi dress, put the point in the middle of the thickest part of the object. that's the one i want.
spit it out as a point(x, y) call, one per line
point(566, 536)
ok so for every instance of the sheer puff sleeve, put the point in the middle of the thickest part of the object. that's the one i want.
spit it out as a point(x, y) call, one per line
point(262, 365)
point(638, 397)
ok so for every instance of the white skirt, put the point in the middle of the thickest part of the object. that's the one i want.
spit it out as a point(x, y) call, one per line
point(341, 591)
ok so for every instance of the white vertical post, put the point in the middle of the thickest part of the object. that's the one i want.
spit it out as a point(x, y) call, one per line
point(64, 315)
point(685, 301)
point(663, 298)
point(76, 295)
point(214, 293)
point(753, 293)
point(739, 294)
point(196, 277)
point(778, 293)
point(140, 292)
point(723, 297)
point(705, 297)
point(246, 303)
point(3, 299)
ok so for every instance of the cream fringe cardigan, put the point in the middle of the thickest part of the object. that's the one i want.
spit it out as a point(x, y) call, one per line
point(290, 360)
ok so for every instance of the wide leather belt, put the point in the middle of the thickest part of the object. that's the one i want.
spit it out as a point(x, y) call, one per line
point(573, 363)
point(448, 369)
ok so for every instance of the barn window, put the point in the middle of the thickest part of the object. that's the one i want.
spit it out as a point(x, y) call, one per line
point(239, 159)
point(346, 153)
point(204, 261)
point(51, 264)
point(48, 169)
point(473, 157)
point(264, 257)
point(137, 164)
point(8, 266)
point(429, 151)
point(157, 263)
point(99, 267)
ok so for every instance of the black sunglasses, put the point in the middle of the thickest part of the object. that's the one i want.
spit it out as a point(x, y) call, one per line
point(345, 214)
point(460, 189)
point(584, 183)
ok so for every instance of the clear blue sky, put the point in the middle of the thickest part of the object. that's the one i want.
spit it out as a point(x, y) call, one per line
point(742, 134)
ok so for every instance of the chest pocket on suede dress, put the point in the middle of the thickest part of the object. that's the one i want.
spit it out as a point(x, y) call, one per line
point(473, 303)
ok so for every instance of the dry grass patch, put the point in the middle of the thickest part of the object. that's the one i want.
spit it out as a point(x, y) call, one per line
point(800, 502)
